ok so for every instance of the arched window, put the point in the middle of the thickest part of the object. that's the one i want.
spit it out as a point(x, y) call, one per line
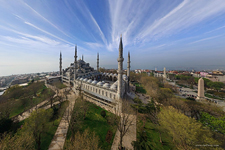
point(110, 95)
point(105, 93)
point(102, 92)
point(99, 91)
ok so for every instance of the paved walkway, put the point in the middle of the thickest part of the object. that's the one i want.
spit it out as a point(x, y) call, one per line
point(60, 134)
point(128, 137)
point(27, 113)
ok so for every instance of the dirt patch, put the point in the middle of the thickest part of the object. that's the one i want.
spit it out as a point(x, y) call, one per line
point(108, 136)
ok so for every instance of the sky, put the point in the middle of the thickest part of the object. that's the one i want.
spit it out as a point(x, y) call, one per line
point(175, 34)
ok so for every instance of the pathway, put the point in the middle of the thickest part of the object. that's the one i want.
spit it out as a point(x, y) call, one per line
point(128, 137)
point(27, 113)
point(60, 134)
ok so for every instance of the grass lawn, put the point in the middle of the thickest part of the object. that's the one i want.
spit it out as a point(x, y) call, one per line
point(96, 123)
point(139, 88)
point(19, 107)
point(153, 136)
point(53, 125)
point(59, 85)
point(211, 96)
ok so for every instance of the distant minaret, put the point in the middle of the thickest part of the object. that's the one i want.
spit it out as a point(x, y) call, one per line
point(75, 63)
point(82, 57)
point(128, 70)
point(98, 62)
point(120, 70)
point(60, 65)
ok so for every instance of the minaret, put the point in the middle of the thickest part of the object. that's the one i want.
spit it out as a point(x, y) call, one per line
point(60, 66)
point(120, 70)
point(128, 71)
point(82, 57)
point(98, 62)
point(75, 63)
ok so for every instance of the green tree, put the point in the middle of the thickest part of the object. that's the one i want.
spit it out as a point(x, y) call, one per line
point(83, 141)
point(186, 132)
point(216, 85)
point(37, 124)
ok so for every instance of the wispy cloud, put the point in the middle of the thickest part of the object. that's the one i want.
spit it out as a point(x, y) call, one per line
point(170, 18)
point(42, 17)
point(209, 38)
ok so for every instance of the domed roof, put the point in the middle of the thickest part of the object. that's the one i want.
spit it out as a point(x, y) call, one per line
point(85, 80)
point(115, 74)
point(81, 79)
point(78, 78)
point(99, 83)
point(103, 82)
point(81, 61)
point(113, 87)
point(89, 81)
point(94, 82)
point(106, 85)
point(111, 74)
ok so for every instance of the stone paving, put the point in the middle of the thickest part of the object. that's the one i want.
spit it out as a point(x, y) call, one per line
point(128, 137)
point(59, 138)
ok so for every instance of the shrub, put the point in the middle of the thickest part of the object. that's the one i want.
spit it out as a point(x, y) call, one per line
point(103, 113)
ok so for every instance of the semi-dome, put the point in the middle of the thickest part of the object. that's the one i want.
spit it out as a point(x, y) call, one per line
point(113, 87)
point(94, 82)
point(125, 77)
point(99, 83)
point(79, 71)
point(85, 80)
point(89, 81)
point(106, 85)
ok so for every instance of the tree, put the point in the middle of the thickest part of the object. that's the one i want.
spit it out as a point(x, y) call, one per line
point(124, 120)
point(186, 132)
point(103, 113)
point(85, 141)
point(36, 124)
point(20, 141)
point(216, 85)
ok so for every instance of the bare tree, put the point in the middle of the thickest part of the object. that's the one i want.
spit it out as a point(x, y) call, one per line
point(124, 120)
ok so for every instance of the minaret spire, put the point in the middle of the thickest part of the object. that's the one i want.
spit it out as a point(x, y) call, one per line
point(128, 70)
point(75, 63)
point(120, 70)
point(98, 62)
point(60, 66)
point(82, 57)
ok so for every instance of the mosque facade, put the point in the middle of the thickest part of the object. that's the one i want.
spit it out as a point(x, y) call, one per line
point(106, 90)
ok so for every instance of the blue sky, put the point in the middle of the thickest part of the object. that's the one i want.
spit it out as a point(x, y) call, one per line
point(158, 33)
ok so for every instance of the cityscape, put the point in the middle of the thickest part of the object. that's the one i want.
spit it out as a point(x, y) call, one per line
point(118, 75)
